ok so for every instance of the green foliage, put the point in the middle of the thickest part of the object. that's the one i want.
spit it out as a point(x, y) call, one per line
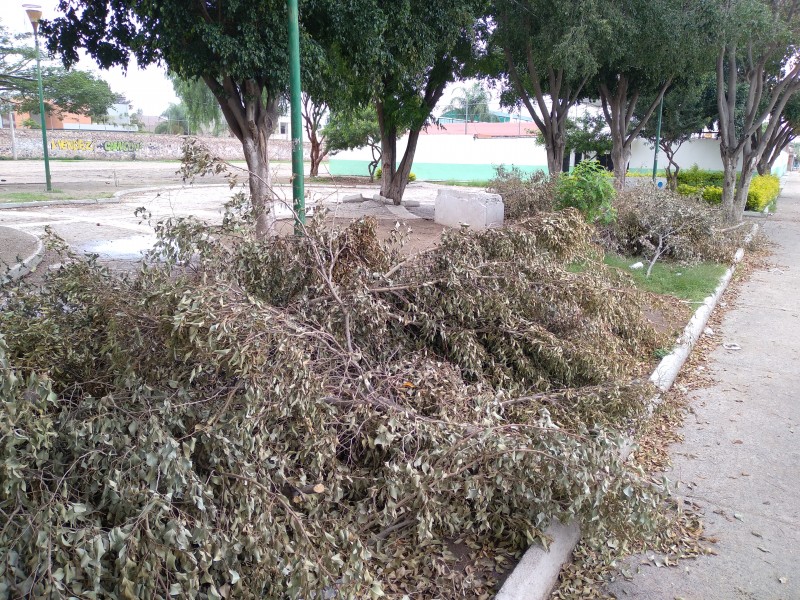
point(69, 91)
point(379, 172)
point(764, 189)
point(588, 189)
point(201, 108)
point(712, 194)
point(354, 128)
point(523, 195)
point(471, 104)
point(696, 177)
point(588, 135)
point(292, 416)
point(175, 120)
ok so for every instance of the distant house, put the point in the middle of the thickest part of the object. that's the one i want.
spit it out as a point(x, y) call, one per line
point(118, 118)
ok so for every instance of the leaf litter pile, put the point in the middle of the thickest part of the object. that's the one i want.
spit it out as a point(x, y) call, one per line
point(318, 416)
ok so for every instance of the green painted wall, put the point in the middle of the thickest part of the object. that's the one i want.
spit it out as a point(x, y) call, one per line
point(430, 171)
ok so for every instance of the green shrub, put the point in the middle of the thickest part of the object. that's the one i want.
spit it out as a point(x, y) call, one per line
point(712, 194)
point(587, 188)
point(379, 172)
point(523, 194)
point(684, 189)
point(700, 178)
point(763, 190)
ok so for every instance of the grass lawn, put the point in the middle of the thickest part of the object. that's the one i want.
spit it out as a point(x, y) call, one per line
point(692, 282)
point(476, 184)
point(54, 195)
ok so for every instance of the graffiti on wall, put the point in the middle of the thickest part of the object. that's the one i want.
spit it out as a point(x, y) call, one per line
point(122, 146)
point(89, 146)
point(72, 145)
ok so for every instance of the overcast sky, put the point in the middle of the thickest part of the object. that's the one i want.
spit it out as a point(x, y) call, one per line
point(148, 89)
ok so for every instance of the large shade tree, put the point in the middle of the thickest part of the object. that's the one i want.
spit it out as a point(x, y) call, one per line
point(354, 128)
point(239, 49)
point(64, 91)
point(549, 53)
point(690, 106)
point(757, 51)
point(648, 44)
point(201, 108)
point(782, 135)
point(400, 56)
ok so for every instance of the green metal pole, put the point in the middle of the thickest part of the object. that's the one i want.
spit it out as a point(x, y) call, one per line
point(41, 113)
point(658, 138)
point(296, 117)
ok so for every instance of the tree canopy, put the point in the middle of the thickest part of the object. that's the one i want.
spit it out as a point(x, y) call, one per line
point(399, 56)
point(648, 44)
point(757, 53)
point(237, 48)
point(64, 91)
point(548, 53)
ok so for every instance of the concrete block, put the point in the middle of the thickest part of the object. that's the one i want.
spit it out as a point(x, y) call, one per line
point(353, 199)
point(479, 210)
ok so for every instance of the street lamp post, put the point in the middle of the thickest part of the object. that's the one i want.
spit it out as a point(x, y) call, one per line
point(34, 14)
point(298, 192)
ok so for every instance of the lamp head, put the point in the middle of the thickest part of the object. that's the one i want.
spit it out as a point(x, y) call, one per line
point(34, 14)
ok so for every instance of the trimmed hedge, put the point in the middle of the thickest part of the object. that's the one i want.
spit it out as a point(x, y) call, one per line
point(763, 190)
point(379, 172)
point(711, 194)
point(700, 178)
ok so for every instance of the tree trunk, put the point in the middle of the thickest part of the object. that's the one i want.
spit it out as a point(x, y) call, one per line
point(672, 176)
point(730, 214)
point(251, 116)
point(316, 155)
point(555, 147)
point(397, 185)
point(388, 161)
point(620, 156)
point(261, 194)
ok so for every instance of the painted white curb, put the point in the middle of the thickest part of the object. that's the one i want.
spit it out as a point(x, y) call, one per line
point(26, 266)
point(669, 367)
point(537, 572)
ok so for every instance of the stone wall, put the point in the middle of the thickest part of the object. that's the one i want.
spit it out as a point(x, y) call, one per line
point(106, 145)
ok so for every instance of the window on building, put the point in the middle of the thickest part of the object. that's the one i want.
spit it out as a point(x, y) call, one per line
point(283, 128)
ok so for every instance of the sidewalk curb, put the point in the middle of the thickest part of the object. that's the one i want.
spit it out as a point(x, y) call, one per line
point(537, 571)
point(21, 269)
point(114, 199)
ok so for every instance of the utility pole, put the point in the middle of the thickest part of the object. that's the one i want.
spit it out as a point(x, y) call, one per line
point(298, 194)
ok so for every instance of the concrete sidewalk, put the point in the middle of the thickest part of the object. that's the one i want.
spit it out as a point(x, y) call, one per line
point(740, 458)
point(15, 246)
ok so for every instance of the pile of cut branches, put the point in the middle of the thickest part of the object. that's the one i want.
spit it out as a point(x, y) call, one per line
point(316, 415)
point(660, 224)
